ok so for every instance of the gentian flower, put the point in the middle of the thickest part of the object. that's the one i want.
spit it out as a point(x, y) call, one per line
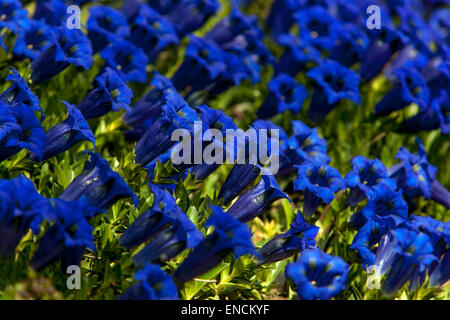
point(21, 208)
point(68, 47)
point(33, 38)
point(63, 135)
point(110, 93)
point(438, 231)
point(441, 273)
point(319, 181)
point(439, 23)
point(365, 175)
point(153, 284)
point(408, 57)
point(405, 253)
point(239, 178)
point(11, 12)
point(300, 237)
point(163, 213)
point(68, 237)
point(334, 83)
point(436, 74)
point(152, 32)
point(298, 52)
point(252, 202)
point(284, 94)
point(105, 25)
point(163, 6)
point(19, 129)
point(128, 60)
point(229, 236)
point(318, 275)
point(410, 88)
point(351, 45)
point(281, 16)
point(99, 184)
point(53, 12)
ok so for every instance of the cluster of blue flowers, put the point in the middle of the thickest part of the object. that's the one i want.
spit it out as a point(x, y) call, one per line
point(326, 40)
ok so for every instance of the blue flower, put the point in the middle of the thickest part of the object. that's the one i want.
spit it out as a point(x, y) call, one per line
point(19, 129)
point(281, 16)
point(438, 231)
point(229, 236)
point(99, 184)
point(68, 47)
point(252, 202)
point(298, 52)
point(300, 237)
point(284, 94)
point(110, 93)
point(128, 60)
point(68, 237)
point(437, 76)
point(21, 208)
point(334, 83)
point(189, 15)
point(408, 57)
point(410, 88)
point(351, 45)
point(53, 12)
point(63, 135)
point(20, 93)
point(318, 275)
point(439, 23)
point(239, 178)
point(105, 25)
point(405, 253)
point(440, 194)
point(163, 6)
point(153, 284)
point(163, 213)
point(365, 175)
point(152, 33)
point(33, 38)
point(12, 13)
point(441, 273)
point(319, 181)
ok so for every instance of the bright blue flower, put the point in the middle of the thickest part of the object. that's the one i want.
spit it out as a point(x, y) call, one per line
point(229, 236)
point(99, 184)
point(351, 43)
point(439, 23)
point(300, 237)
point(153, 284)
point(298, 52)
point(163, 213)
point(318, 275)
point(21, 208)
point(128, 60)
point(68, 47)
point(110, 93)
point(152, 32)
point(252, 202)
point(239, 178)
point(68, 237)
point(53, 12)
point(63, 135)
point(408, 57)
point(365, 175)
point(334, 83)
point(19, 129)
point(319, 182)
point(12, 13)
point(33, 38)
point(438, 231)
point(284, 94)
point(105, 25)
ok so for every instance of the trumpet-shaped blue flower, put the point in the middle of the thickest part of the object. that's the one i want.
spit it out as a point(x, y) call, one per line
point(441, 273)
point(281, 16)
point(11, 12)
point(438, 231)
point(68, 47)
point(319, 182)
point(53, 12)
point(300, 237)
point(110, 93)
point(334, 83)
point(229, 236)
point(33, 38)
point(439, 23)
point(239, 178)
point(99, 184)
point(351, 43)
point(318, 275)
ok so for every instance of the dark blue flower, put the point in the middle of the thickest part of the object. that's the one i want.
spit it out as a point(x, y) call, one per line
point(319, 182)
point(440, 194)
point(153, 284)
point(68, 237)
point(229, 236)
point(110, 93)
point(334, 83)
point(152, 32)
point(408, 57)
point(318, 275)
point(439, 23)
point(163, 6)
point(21, 208)
point(300, 237)
point(281, 16)
point(438, 231)
point(441, 273)
point(53, 12)
point(298, 52)
point(68, 47)
point(11, 13)
point(351, 43)
point(128, 60)
point(99, 184)
point(436, 74)
point(63, 135)
point(284, 94)
point(252, 202)
point(105, 25)
point(239, 178)
point(163, 213)
point(33, 38)
point(365, 175)
point(19, 129)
